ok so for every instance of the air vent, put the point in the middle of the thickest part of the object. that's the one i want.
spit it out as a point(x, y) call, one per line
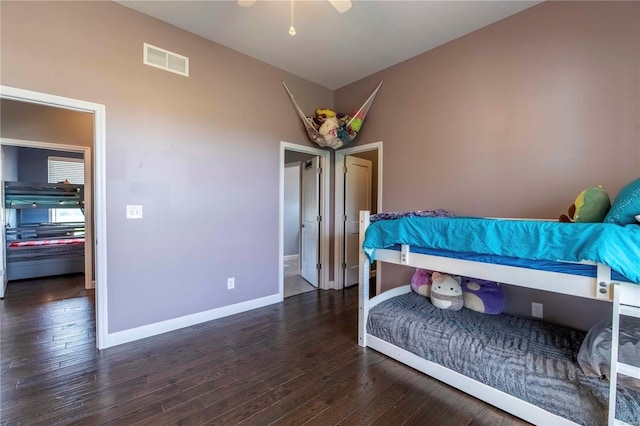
point(168, 61)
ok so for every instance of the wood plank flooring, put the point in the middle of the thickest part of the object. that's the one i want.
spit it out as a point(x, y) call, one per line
point(293, 363)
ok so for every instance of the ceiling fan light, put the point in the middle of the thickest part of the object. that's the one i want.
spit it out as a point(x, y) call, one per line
point(292, 31)
point(246, 3)
point(341, 5)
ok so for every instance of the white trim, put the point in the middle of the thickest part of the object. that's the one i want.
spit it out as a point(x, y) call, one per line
point(325, 180)
point(290, 257)
point(144, 331)
point(99, 200)
point(338, 249)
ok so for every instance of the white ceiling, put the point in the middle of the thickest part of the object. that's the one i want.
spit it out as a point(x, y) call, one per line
point(330, 48)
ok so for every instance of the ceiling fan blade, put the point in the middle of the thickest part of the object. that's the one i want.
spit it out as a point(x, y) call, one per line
point(246, 3)
point(341, 5)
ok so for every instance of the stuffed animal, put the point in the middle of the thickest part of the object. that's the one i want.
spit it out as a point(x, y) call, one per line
point(446, 292)
point(328, 128)
point(482, 296)
point(421, 282)
point(592, 205)
point(325, 113)
point(356, 124)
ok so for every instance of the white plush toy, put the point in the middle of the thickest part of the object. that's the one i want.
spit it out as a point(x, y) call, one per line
point(328, 128)
point(446, 292)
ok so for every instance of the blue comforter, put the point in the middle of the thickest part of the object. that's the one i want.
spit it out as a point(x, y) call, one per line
point(614, 245)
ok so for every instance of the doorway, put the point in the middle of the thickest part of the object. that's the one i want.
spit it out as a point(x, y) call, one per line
point(358, 186)
point(301, 193)
point(97, 188)
point(304, 207)
point(45, 222)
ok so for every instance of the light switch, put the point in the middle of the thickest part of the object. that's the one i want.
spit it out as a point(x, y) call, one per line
point(134, 212)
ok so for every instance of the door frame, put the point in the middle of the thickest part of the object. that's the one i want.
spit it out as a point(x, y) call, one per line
point(97, 175)
point(325, 164)
point(88, 194)
point(339, 207)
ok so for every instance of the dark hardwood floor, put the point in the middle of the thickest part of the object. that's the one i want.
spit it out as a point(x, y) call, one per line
point(292, 363)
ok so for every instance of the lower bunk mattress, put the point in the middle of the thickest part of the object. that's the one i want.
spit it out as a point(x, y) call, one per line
point(33, 261)
point(531, 360)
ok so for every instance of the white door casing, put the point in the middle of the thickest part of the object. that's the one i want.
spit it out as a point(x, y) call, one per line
point(310, 226)
point(99, 243)
point(339, 207)
point(357, 196)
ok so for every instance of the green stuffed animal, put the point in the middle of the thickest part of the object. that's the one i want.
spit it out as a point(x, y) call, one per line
point(592, 205)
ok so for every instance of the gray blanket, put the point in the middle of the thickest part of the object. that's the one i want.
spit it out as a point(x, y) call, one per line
point(531, 360)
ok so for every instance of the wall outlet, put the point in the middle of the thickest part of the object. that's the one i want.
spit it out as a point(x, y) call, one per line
point(134, 212)
point(231, 283)
point(536, 310)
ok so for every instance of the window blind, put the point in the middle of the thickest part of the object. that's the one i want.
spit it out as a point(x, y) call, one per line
point(71, 169)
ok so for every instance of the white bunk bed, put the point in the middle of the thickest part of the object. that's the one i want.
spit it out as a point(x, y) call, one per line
point(625, 297)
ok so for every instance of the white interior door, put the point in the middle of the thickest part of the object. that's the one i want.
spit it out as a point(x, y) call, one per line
point(310, 226)
point(3, 264)
point(357, 196)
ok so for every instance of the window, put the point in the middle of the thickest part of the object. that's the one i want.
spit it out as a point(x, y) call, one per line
point(72, 170)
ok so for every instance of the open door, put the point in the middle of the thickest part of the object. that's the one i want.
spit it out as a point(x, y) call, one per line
point(310, 221)
point(357, 196)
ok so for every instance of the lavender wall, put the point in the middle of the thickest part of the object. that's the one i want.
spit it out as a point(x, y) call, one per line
point(202, 151)
point(512, 120)
point(41, 123)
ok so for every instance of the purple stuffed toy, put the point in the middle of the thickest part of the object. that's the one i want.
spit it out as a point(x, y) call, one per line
point(421, 282)
point(482, 296)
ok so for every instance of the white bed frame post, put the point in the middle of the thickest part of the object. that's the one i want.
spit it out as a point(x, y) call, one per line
point(626, 301)
point(363, 287)
point(615, 334)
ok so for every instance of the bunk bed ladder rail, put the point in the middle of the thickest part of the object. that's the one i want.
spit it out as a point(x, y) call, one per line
point(363, 287)
point(621, 306)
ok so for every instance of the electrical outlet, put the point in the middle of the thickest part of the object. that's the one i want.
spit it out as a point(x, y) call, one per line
point(134, 212)
point(231, 283)
point(536, 310)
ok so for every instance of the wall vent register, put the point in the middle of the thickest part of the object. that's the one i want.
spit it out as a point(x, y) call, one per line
point(166, 60)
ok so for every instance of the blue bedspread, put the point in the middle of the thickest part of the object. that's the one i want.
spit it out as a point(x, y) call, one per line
point(614, 245)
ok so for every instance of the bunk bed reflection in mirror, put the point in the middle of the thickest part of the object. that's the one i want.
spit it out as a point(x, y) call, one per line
point(36, 248)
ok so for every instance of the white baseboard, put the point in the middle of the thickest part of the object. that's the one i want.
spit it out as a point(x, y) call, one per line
point(126, 336)
point(291, 257)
